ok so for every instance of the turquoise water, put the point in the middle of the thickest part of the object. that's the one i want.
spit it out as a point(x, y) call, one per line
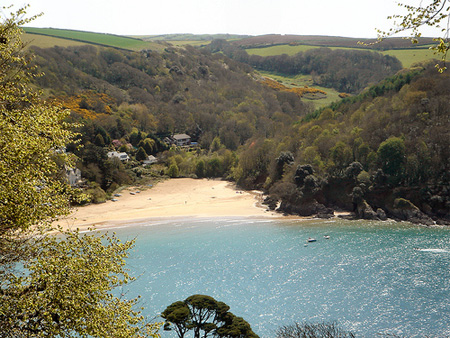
point(370, 277)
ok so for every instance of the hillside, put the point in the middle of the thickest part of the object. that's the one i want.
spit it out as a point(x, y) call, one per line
point(132, 97)
point(385, 149)
point(329, 41)
point(345, 70)
point(49, 37)
point(191, 37)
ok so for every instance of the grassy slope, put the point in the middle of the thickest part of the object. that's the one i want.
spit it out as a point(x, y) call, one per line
point(40, 35)
point(406, 56)
point(304, 80)
point(44, 41)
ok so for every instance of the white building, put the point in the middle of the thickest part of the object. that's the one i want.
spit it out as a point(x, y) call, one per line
point(121, 156)
point(73, 176)
point(181, 139)
point(150, 160)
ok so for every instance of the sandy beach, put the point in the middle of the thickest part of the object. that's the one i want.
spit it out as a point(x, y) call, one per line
point(181, 197)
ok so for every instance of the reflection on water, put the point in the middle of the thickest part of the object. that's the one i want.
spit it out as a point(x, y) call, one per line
point(371, 277)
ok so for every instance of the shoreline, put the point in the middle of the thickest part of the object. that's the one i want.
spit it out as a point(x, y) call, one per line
point(173, 198)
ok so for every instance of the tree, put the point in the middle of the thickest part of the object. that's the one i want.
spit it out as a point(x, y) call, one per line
point(49, 286)
point(205, 316)
point(178, 315)
point(308, 330)
point(173, 170)
point(434, 14)
point(141, 154)
point(200, 168)
point(391, 154)
point(285, 159)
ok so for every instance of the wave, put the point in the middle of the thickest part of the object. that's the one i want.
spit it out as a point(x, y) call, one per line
point(434, 250)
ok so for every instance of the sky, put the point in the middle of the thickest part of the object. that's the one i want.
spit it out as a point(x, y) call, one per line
point(349, 18)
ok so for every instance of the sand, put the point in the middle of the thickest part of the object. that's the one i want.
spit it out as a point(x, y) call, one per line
point(181, 197)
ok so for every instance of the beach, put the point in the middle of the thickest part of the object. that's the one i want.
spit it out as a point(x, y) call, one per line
point(181, 197)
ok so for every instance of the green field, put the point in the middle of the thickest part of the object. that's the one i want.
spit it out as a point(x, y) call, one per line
point(91, 38)
point(406, 56)
point(194, 43)
point(410, 56)
point(44, 41)
point(279, 49)
point(304, 80)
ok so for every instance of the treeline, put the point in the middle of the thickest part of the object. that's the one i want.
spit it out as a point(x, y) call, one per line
point(348, 71)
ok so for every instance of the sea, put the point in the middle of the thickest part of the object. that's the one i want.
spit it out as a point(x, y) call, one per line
point(372, 278)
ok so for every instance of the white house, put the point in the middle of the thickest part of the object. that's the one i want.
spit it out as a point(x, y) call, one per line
point(121, 156)
point(73, 176)
point(150, 160)
point(181, 139)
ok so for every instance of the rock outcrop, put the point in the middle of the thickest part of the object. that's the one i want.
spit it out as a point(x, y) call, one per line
point(407, 211)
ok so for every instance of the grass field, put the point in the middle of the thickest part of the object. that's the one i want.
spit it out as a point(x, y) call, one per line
point(279, 49)
point(93, 38)
point(44, 41)
point(189, 42)
point(406, 56)
point(410, 56)
point(305, 80)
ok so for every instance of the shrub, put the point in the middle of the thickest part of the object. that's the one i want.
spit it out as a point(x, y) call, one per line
point(308, 330)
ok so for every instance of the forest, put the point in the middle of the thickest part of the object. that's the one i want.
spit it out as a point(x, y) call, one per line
point(348, 71)
point(382, 152)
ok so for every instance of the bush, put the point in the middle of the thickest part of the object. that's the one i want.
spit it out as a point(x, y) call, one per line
point(173, 171)
point(307, 330)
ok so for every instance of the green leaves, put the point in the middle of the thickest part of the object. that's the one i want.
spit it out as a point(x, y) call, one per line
point(416, 17)
point(50, 286)
point(201, 313)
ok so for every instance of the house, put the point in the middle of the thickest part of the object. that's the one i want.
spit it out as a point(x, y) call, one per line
point(121, 156)
point(73, 176)
point(150, 160)
point(181, 139)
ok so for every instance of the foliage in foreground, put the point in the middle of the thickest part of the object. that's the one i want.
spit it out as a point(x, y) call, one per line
point(66, 289)
point(49, 286)
point(205, 316)
point(433, 13)
point(309, 330)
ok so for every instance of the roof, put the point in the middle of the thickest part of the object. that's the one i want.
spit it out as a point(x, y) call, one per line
point(181, 136)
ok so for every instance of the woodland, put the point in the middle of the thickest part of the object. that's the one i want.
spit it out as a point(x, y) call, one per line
point(384, 147)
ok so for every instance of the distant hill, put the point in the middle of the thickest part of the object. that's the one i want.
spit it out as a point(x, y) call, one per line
point(192, 37)
point(330, 41)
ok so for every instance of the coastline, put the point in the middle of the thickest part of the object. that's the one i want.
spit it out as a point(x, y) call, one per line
point(173, 198)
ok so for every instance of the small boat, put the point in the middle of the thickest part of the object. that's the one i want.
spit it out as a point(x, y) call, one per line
point(310, 240)
point(326, 237)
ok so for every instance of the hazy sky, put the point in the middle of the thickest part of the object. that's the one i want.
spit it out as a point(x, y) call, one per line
point(352, 18)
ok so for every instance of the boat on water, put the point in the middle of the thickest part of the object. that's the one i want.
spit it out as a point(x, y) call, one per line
point(310, 240)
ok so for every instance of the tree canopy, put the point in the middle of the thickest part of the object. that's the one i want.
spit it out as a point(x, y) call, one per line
point(205, 316)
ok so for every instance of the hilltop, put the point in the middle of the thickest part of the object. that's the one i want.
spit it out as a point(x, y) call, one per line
point(330, 41)
point(50, 37)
